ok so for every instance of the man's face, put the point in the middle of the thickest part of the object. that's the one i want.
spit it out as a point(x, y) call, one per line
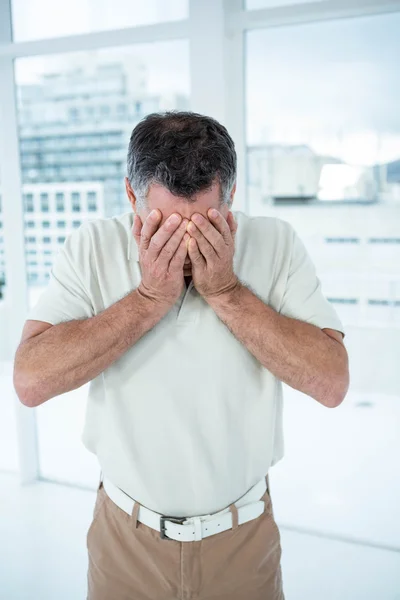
point(159, 197)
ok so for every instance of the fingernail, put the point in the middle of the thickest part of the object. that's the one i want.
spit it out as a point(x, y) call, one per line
point(153, 214)
point(173, 219)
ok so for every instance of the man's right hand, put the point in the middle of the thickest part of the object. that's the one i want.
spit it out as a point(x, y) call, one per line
point(162, 253)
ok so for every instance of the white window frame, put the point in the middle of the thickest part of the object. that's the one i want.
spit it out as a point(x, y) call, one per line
point(215, 30)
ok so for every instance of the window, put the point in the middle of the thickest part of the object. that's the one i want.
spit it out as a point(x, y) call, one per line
point(30, 224)
point(28, 202)
point(76, 202)
point(46, 224)
point(60, 207)
point(44, 202)
point(30, 240)
point(89, 15)
point(91, 201)
point(61, 224)
point(70, 150)
point(323, 146)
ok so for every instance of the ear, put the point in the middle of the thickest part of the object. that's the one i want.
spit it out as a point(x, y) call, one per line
point(131, 194)
point(232, 195)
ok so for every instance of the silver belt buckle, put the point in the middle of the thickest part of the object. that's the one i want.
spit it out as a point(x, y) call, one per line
point(163, 518)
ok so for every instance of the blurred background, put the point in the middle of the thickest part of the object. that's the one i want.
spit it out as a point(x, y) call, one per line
point(310, 94)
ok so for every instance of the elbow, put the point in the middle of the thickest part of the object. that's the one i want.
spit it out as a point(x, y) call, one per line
point(25, 390)
point(338, 392)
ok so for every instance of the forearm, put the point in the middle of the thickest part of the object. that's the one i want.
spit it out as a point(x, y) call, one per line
point(297, 353)
point(70, 354)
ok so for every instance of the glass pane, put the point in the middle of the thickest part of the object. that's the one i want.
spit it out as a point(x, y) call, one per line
point(254, 4)
point(8, 431)
point(76, 114)
point(323, 152)
point(8, 425)
point(41, 19)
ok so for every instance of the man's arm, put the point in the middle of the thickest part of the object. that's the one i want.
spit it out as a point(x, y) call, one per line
point(300, 354)
point(68, 355)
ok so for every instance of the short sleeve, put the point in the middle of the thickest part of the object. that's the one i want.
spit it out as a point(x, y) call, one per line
point(66, 296)
point(303, 298)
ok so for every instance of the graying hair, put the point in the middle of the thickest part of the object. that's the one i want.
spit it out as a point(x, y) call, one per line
point(183, 151)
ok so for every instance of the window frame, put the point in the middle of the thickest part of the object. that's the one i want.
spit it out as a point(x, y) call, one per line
point(226, 23)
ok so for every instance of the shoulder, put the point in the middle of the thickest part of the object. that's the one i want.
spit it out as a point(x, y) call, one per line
point(107, 228)
point(95, 236)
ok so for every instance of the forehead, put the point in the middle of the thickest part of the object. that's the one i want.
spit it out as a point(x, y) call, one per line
point(159, 197)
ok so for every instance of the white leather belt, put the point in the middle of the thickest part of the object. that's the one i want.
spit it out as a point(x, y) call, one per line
point(189, 529)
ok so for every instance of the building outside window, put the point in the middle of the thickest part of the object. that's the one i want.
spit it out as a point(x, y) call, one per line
point(28, 201)
point(76, 201)
point(44, 202)
point(60, 202)
point(91, 201)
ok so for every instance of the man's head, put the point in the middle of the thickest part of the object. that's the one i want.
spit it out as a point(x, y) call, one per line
point(180, 162)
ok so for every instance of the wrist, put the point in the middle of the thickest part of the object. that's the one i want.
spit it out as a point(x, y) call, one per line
point(228, 295)
point(150, 303)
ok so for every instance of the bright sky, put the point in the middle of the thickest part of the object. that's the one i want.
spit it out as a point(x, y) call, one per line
point(331, 85)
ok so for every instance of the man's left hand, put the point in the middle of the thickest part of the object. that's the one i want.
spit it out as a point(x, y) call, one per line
point(211, 248)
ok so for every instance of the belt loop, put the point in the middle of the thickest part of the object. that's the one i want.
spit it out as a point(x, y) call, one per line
point(269, 495)
point(135, 513)
point(235, 517)
point(197, 528)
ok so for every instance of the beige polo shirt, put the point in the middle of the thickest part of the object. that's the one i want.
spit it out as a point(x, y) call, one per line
point(187, 420)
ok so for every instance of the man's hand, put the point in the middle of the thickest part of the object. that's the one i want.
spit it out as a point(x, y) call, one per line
point(162, 253)
point(211, 249)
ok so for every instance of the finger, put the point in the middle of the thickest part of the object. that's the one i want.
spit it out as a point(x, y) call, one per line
point(178, 260)
point(171, 245)
point(221, 225)
point(137, 228)
point(232, 224)
point(149, 228)
point(163, 234)
point(194, 254)
point(207, 250)
point(209, 232)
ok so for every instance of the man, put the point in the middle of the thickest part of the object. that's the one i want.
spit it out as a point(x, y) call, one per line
point(185, 318)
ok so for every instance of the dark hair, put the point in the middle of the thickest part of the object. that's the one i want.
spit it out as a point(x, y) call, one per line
point(183, 151)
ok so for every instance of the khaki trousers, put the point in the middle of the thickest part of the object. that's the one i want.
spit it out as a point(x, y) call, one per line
point(129, 561)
